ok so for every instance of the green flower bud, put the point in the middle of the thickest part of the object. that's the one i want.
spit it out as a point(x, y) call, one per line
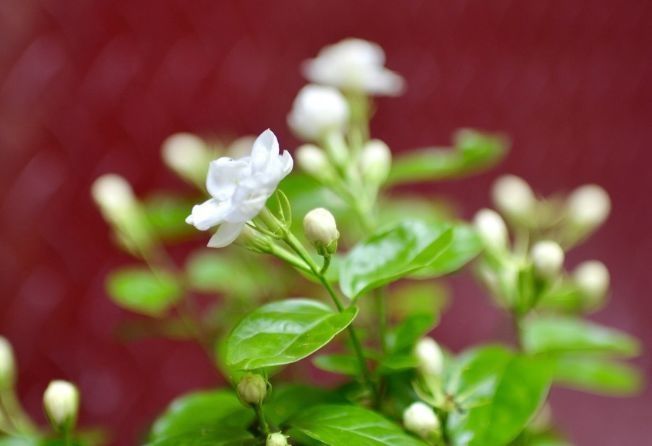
point(7, 364)
point(276, 439)
point(61, 403)
point(321, 230)
point(252, 389)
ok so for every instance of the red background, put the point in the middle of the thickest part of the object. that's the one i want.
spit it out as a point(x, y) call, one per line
point(88, 87)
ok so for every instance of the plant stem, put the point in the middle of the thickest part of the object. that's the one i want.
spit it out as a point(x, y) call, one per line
point(262, 422)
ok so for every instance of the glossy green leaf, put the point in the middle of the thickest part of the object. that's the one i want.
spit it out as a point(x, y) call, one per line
point(464, 247)
point(410, 330)
point(214, 436)
point(598, 375)
point(284, 332)
point(498, 393)
point(288, 400)
point(473, 152)
point(338, 425)
point(338, 363)
point(561, 334)
point(391, 254)
point(143, 291)
point(200, 411)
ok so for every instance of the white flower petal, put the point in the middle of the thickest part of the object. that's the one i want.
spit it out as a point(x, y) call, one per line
point(223, 174)
point(226, 234)
point(208, 214)
point(265, 148)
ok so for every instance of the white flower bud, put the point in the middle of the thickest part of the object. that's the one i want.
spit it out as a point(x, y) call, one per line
point(421, 419)
point(430, 358)
point(7, 364)
point(592, 278)
point(186, 155)
point(113, 195)
point(316, 111)
point(491, 228)
point(375, 161)
point(276, 439)
point(313, 161)
point(252, 389)
point(548, 258)
point(513, 197)
point(588, 206)
point(321, 230)
point(61, 402)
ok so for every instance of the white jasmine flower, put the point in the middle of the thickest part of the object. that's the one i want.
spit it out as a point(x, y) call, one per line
point(187, 155)
point(316, 111)
point(240, 188)
point(548, 258)
point(491, 228)
point(421, 419)
point(513, 197)
point(356, 65)
point(7, 364)
point(430, 358)
point(61, 402)
point(276, 439)
point(375, 161)
point(588, 205)
point(321, 230)
point(592, 278)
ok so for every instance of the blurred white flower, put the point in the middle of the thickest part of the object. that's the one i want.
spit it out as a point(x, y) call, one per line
point(592, 278)
point(548, 258)
point(588, 205)
point(355, 65)
point(421, 419)
point(375, 161)
point(114, 196)
point(187, 155)
point(430, 359)
point(491, 228)
point(513, 197)
point(61, 402)
point(240, 188)
point(7, 364)
point(316, 111)
point(313, 161)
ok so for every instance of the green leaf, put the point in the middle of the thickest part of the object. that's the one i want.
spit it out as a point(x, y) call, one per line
point(337, 425)
point(392, 254)
point(338, 363)
point(408, 298)
point(214, 436)
point(562, 334)
point(288, 400)
point(498, 392)
point(598, 375)
point(200, 411)
point(474, 152)
point(143, 291)
point(284, 332)
point(167, 216)
point(464, 247)
point(410, 330)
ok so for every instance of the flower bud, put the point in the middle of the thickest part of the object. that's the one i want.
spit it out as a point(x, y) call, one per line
point(61, 402)
point(513, 197)
point(316, 111)
point(241, 147)
point(321, 230)
point(252, 389)
point(588, 206)
point(548, 258)
point(375, 161)
point(313, 161)
point(491, 228)
point(420, 419)
point(592, 278)
point(114, 196)
point(187, 155)
point(430, 358)
point(7, 364)
point(276, 439)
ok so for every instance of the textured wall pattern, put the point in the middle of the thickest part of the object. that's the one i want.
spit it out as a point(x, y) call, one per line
point(88, 87)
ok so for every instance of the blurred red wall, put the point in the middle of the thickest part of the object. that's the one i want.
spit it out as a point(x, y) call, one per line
point(88, 87)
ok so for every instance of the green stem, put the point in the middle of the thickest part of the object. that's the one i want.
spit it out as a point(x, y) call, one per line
point(262, 422)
